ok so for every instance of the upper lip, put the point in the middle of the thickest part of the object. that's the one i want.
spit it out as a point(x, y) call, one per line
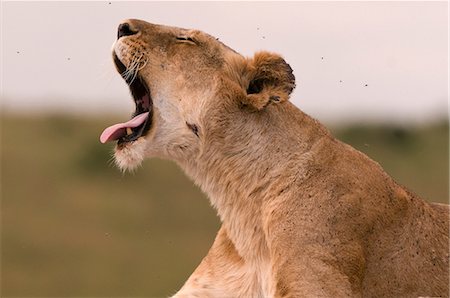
point(142, 98)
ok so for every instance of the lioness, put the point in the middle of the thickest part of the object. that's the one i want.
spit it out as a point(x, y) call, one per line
point(303, 215)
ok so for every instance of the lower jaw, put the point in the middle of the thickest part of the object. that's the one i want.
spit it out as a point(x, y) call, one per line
point(124, 143)
point(129, 156)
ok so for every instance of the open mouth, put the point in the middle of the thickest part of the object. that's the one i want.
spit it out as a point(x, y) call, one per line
point(141, 119)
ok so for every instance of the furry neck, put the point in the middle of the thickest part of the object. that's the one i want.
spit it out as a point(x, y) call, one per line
point(239, 167)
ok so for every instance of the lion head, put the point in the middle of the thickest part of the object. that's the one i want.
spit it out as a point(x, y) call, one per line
point(185, 85)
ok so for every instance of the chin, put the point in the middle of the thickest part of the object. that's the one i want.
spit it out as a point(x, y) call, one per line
point(130, 156)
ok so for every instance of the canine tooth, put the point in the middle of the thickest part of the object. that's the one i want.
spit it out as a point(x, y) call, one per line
point(129, 131)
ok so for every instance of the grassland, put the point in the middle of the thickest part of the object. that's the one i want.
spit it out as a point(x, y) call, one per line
point(73, 225)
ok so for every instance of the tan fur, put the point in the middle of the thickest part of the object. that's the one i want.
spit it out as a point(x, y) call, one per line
point(303, 215)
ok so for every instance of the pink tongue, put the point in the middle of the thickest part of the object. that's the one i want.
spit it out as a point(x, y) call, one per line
point(119, 130)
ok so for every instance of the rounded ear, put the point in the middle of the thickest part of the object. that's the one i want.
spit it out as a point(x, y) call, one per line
point(270, 80)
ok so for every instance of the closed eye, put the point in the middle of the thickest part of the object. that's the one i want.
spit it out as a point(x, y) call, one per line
point(186, 39)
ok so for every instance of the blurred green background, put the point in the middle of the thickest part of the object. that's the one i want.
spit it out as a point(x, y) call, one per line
point(74, 225)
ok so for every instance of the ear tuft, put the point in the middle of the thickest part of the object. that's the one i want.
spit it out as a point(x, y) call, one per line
point(271, 80)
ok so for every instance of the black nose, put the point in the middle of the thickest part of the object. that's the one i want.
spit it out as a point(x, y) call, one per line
point(125, 30)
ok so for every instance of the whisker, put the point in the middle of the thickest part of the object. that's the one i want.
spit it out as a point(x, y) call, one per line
point(132, 69)
point(143, 64)
point(137, 67)
point(111, 162)
point(136, 64)
point(129, 70)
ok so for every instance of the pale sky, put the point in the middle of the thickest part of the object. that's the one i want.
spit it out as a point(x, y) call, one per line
point(57, 55)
